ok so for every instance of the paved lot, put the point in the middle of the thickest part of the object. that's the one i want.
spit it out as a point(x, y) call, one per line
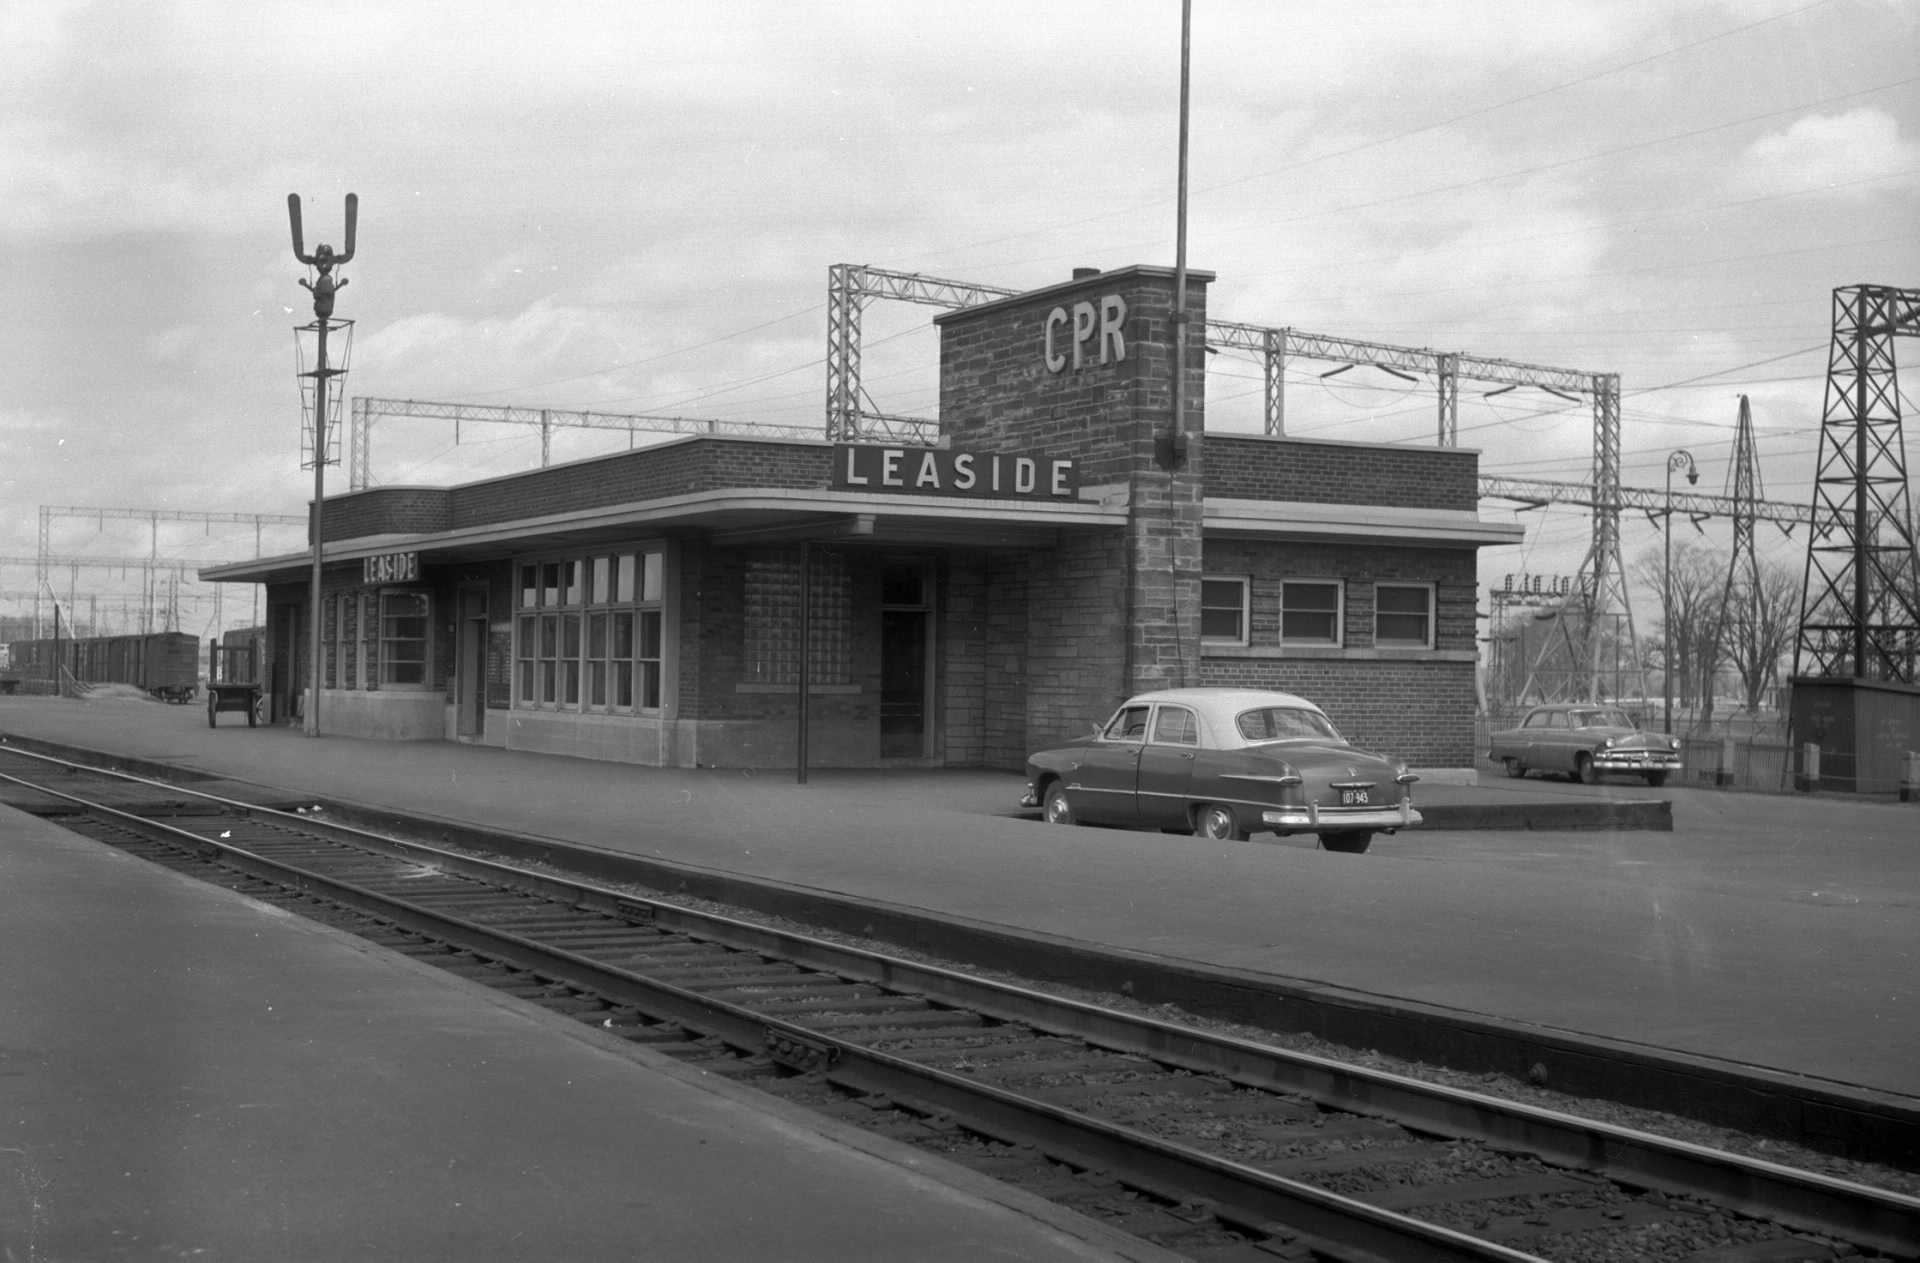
point(1768, 930)
point(186, 1073)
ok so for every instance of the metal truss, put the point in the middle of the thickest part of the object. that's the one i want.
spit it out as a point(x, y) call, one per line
point(851, 416)
point(1534, 492)
point(1860, 610)
point(546, 420)
point(1448, 368)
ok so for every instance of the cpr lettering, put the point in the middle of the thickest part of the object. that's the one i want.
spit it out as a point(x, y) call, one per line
point(1089, 325)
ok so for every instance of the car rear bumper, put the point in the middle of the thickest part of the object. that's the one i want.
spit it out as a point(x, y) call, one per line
point(1311, 819)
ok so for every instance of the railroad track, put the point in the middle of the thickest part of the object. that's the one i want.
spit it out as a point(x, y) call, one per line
point(1214, 1147)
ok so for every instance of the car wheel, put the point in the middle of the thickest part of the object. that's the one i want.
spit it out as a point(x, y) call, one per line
point(1211, 820)
point(1656, 779)
point(1058, 810)
point(1583, 769)
point(1515, 768)
point(1348, 841)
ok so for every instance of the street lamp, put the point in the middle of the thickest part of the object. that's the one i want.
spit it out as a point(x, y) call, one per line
point(1681, 459)
point(323, 288)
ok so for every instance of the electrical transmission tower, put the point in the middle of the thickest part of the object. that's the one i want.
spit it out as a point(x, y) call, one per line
point(1740, 599)
point(1859, 611)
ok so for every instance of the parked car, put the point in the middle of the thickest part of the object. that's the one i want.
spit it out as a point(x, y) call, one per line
point(1584, 740)
point(1223, 763)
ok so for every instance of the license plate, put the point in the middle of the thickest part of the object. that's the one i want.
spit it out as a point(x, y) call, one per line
point(1353, 798)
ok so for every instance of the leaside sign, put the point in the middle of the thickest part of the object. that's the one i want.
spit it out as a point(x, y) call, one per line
point(932, 471)
point(390, 568)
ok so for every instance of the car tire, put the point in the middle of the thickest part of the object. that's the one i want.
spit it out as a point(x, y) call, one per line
point(1348, 841)
point(1055, 807)
point(1656, 779)
point(1515, 768)
point(1584, 770)
point(1217, 823)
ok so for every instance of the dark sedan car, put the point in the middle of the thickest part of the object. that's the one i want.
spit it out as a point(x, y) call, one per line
point(1223, 763)
point(1583, 740)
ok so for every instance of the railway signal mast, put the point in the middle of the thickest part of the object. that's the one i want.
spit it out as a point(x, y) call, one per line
point(323, 286)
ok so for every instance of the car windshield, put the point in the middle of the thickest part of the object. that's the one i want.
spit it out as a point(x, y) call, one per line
point(1285, 723)
point(1600, 719)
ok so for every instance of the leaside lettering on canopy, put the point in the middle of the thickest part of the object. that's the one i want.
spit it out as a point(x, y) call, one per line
point(932, 471)
point(390, 568)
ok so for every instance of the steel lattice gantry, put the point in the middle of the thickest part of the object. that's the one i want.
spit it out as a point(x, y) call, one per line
point(851, 417)
point(1860, 611)
point(546, 420)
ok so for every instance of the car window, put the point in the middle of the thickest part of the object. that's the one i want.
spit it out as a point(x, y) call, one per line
point(1538, 719)
point(1611, 719)
point(1175, 724)
point(1556, 719)
point(1283, 723)
point(1129, 725)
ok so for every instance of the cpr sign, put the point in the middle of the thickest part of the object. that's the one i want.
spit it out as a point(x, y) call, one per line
point(1086, 334)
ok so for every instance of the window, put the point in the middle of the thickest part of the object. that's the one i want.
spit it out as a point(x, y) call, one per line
point(526, 639)
point(329, 640)
point(1285, 723)
point(1223, 611)
point(1129, 725)
point(594, 644)
point(1175, 724)
point(403, 638)
point(1309, 613)
point(773, 618)
point(1403, 615)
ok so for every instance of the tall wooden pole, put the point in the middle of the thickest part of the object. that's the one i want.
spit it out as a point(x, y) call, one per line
point(311, 723)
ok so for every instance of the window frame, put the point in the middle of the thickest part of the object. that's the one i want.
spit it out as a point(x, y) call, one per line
point(1245, 583)
point(610, 587)
point(426, 639)
point(1432, 613)
point(1339, 639)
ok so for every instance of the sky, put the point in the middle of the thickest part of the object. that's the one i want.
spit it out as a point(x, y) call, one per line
point(632, 207)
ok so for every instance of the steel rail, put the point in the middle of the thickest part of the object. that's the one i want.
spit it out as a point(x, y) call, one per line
point(1063, 1133)
point(1805, 1200)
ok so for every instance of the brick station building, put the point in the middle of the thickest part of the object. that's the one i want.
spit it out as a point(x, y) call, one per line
point(968, 602)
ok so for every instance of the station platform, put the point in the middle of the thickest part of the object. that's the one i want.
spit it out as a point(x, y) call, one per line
point(188, 1073)
point(1763, 930)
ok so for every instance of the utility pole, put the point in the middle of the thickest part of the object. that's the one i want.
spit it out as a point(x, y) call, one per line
point(323, 288)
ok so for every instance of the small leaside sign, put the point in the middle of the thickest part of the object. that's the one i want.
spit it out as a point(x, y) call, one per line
point(390, 568)
point(932, 471)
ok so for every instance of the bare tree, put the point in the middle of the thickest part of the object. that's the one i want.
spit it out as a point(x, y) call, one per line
point(1683, 643)
point(1760, 629)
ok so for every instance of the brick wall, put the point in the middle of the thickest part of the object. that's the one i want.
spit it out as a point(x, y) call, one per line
point(1451, 570)
point(1254, 467)
point(1004, 738)
point(384, 511)
point(1418, 711)
point(698, 464)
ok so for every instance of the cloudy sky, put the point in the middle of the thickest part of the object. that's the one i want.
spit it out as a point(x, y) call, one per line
point(633, 207)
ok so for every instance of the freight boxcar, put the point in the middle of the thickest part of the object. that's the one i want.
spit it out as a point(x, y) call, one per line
point(165, 664)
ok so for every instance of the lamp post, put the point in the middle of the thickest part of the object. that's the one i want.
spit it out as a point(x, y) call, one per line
point(323, 287)
point(1676, 461)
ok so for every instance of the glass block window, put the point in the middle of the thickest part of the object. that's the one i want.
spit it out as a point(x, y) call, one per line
point(1310, 613)
point(773, 618)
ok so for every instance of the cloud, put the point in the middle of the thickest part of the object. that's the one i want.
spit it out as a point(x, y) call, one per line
point(1823, 150)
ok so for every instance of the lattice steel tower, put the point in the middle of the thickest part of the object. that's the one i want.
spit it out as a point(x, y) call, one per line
point(1739, 599)
point(1860, 611)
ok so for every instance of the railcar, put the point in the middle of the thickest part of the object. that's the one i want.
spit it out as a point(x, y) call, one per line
point(165, 664)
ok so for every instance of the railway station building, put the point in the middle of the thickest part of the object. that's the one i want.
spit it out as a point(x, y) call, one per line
point(1057, 550)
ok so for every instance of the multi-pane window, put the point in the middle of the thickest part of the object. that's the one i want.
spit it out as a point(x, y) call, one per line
point(351, 629)
point(1403, 615)
point(403, 637)
point(590, 632)
point(1223, 610)
point(1309, 613)
point(329, 641)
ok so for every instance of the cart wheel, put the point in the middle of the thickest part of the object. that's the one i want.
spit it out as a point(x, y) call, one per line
point(213, 700)
point(255, 710)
